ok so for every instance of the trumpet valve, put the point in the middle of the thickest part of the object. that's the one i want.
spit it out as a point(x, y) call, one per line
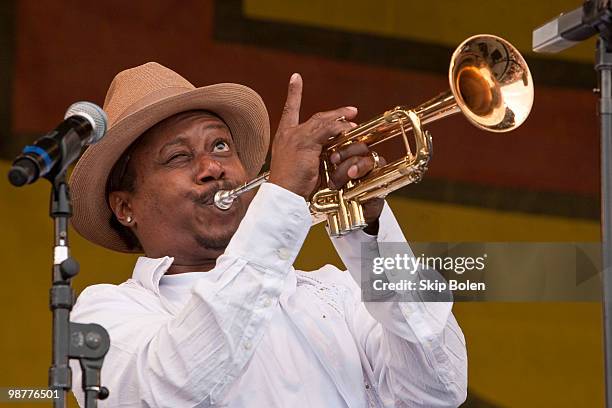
point(357, 219)
point(333, 225)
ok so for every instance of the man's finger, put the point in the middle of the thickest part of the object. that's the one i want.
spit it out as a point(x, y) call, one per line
point(325, 125)
point(342, 174)
point(322, 131)
point(352, 168)
point(291, 110)
point(353, 149)
point(347, 113)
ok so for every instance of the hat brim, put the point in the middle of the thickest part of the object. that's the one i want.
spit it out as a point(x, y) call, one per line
point(241, 109)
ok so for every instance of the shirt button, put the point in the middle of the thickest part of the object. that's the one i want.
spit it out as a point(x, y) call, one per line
point(267, 302)
point(247, 345)
point(284, 254)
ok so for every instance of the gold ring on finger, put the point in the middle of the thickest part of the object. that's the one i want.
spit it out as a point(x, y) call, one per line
point(376, 160)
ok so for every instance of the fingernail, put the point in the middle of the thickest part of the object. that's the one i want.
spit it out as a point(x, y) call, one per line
point(352, 171)
point(353, 124)
point(294, 77)
point(354, 109)
point(335, 158)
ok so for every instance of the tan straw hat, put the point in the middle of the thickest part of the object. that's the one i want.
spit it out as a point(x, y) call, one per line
point(137, 99)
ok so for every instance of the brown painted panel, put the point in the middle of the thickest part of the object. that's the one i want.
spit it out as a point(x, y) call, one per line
point(77, 56)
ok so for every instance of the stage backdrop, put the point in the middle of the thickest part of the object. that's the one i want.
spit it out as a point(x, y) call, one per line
point(537, 184)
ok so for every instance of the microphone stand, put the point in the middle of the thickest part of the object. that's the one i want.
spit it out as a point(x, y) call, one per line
point(87, 342)
point(594, 17)
point(603, 65)
point(49, 157)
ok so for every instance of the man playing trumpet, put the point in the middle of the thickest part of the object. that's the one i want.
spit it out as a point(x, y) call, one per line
point(215, 313)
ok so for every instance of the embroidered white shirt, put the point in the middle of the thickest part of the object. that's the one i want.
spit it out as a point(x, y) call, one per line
point(254, 332)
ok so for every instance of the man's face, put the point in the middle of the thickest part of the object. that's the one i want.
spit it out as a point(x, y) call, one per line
point(179, 165)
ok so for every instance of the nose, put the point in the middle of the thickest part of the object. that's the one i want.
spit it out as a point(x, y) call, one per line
point(208, 169)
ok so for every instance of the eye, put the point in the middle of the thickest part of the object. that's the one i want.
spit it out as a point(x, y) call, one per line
point(221, 146)
point(178, 156)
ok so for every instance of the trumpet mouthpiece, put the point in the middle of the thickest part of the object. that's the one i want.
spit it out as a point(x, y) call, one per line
point(223, 199)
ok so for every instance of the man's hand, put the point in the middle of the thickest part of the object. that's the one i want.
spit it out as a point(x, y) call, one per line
point(352, 162)
point(296, 152)
point(297, 148)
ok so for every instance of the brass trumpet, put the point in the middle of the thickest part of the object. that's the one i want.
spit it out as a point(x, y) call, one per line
point(490, 84)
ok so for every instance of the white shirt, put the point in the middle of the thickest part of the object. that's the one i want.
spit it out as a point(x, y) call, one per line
point(254, 332)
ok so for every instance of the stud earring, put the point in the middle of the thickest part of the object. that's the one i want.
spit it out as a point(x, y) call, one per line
point(129, 219)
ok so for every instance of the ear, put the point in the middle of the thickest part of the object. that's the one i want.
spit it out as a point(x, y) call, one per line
point(120, 203)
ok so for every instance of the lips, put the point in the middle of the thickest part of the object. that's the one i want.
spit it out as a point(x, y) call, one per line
point(206, 198)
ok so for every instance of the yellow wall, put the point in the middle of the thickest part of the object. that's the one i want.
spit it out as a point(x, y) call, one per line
point(519, 354)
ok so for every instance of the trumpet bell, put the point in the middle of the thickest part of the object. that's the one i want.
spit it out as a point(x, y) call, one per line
point(491, 83)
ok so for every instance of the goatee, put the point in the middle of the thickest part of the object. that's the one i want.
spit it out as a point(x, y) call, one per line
point(214, 243)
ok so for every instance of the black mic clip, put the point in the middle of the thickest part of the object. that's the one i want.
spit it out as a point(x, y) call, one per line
point(570, 28)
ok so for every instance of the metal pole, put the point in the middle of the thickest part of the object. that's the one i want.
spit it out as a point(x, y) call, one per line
point(61, 294)
point(604, 67)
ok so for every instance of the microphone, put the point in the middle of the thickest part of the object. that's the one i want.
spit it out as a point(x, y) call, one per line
point(84, 123)
point(570, 28)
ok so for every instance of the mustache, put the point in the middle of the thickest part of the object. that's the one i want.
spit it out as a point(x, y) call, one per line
point(207, 196)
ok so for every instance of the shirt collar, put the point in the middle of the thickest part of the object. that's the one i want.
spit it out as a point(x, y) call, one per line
point(149, 271)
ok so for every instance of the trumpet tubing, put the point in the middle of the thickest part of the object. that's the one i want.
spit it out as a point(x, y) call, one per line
point(490, 84)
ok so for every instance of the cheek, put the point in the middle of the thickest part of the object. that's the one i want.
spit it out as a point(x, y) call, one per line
point(247, 197)
point(234, 170)
point(156, 201)
point(149, 206)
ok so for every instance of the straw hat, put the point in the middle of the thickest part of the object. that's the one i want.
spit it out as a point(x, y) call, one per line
point(137, 99)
